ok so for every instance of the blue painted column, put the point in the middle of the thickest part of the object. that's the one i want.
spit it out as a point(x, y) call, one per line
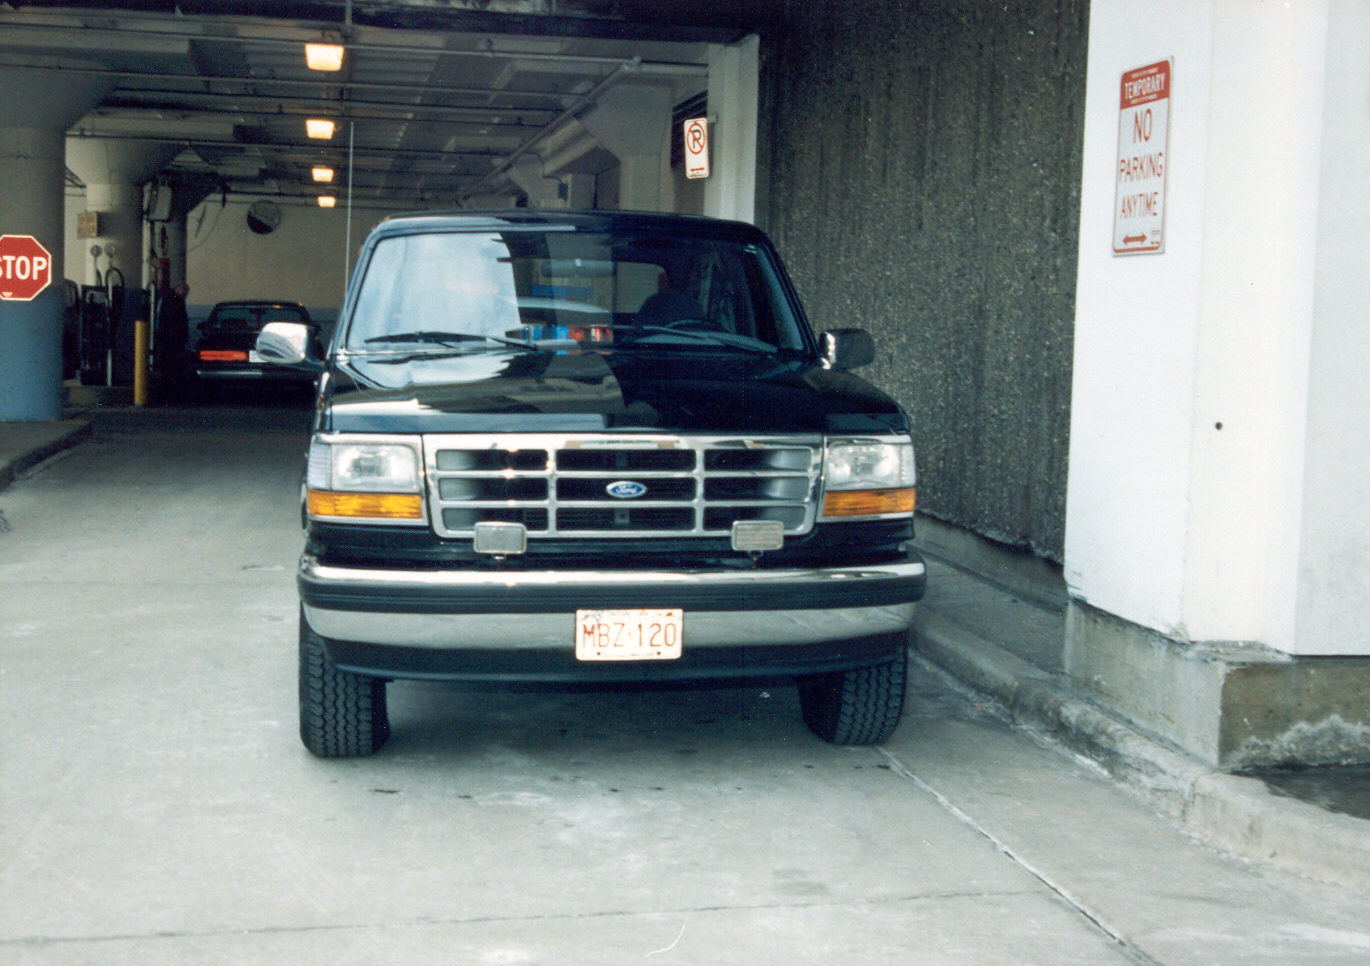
point(42, 105)
point(31, 177)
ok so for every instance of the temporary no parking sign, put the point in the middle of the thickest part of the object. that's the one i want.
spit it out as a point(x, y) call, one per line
point(1143, 142)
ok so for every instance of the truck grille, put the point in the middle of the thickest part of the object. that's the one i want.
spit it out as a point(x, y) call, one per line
point(590, 486)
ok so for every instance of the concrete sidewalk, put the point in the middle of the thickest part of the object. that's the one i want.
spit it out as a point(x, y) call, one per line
point(23, 445)
point(1006, 643)
point(1007, 646)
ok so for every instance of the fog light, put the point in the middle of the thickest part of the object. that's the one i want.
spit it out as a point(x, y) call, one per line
point(500, 539)
point(756, 536)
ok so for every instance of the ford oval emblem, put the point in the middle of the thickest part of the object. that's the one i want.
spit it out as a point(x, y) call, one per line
point(625, 490)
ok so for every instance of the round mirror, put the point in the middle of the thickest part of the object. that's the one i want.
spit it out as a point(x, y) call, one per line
point(263, 217)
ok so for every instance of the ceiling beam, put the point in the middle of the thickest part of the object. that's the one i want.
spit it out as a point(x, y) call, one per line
point(316, 146)
point(487, 50)
point(377, 110)
point(334, 85)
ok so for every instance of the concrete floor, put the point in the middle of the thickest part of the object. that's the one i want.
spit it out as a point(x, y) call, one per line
point(157, 807)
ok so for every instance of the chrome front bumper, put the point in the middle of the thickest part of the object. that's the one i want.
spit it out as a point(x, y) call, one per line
point(535, 610)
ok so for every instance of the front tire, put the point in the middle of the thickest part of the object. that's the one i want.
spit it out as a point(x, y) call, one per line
point(342, 715)
point(857, 707)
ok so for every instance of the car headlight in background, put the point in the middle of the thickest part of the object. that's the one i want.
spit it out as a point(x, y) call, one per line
point(364, 480)
point(868, 478)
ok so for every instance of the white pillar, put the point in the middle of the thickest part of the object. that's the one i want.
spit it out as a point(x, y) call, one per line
point(1215, 518)
point(542, 192)
point(730, 191)
point(633, 121)
point(114, 172)
point(1198, 398)
point(1332, 554)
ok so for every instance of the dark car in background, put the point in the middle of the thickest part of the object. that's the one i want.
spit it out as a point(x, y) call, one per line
point(226, 353)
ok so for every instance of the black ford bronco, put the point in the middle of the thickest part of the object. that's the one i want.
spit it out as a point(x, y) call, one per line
point(596, 447)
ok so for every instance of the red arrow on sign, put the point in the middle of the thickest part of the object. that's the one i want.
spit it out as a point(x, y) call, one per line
point(25, 268)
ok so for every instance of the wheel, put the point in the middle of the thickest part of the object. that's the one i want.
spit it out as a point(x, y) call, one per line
point(342, 715)
point(858, 707)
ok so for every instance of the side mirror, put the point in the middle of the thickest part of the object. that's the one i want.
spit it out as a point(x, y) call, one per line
point(283, 343)
point(847, 348)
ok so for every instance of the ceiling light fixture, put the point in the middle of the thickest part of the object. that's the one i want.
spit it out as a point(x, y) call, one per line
point(319, 128)
point(323, 174)
point(327, 201)
point(326, 57)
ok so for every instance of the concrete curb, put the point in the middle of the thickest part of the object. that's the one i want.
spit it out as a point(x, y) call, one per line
point(1228, 812)
point(39, 441)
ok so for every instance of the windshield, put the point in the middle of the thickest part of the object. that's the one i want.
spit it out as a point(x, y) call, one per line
point(251, 318)
point(469, 291)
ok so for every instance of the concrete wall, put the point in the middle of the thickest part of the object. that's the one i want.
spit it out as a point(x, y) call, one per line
point(920, 167)
point(301, 261)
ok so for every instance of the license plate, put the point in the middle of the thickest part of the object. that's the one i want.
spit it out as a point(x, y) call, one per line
point(629, 635)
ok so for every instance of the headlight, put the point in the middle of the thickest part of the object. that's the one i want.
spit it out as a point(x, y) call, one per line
point(360, 479)
point(868, 478)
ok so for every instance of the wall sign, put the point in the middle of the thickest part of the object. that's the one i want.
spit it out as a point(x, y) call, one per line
point(696, 134)
point(1143, 141)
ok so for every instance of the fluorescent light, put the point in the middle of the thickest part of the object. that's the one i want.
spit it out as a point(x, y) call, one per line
point(323, 56)
point(319, 128)
point(327, 201)
point(323, 174)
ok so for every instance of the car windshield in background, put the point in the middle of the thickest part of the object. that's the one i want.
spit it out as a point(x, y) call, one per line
point(253, 317)
point(471, 291)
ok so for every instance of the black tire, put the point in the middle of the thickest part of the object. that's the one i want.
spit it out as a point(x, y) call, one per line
point(342, 715)
point(859, 707)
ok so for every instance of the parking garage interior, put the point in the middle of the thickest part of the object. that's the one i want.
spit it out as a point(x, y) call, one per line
point(939, 174)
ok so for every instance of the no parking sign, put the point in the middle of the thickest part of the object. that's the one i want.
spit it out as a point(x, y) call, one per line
point(696, 134)
point(1143, 141)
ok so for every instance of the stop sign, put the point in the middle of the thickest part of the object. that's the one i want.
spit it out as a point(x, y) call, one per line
point(25, 268)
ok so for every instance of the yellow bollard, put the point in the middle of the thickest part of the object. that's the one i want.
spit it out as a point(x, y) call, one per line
point(140, 362)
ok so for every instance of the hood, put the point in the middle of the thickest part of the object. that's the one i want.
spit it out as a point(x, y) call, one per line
point(589, 391)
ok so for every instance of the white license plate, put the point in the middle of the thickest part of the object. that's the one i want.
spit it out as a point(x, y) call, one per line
point(629, 635)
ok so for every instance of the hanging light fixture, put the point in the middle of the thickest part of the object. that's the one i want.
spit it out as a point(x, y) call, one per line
point(327, 201)
point(323, 174)
point(319, 128)
point(325, 57)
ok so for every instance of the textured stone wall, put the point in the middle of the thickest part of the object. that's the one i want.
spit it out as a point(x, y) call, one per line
point(920, 172)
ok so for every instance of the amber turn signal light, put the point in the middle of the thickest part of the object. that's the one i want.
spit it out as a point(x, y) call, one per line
point(383, 506)
point(869, 503)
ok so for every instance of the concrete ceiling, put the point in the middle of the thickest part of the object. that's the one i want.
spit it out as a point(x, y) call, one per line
point(436, 99)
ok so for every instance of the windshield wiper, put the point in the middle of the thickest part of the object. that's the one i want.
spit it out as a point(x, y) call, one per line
point(449, 339)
